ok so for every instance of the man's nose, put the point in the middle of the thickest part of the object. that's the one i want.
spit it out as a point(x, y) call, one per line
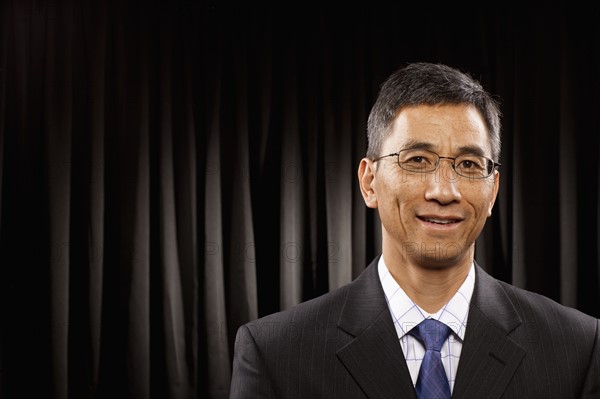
point(442, 185)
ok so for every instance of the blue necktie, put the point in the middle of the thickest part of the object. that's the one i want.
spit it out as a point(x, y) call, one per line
point(432, 382)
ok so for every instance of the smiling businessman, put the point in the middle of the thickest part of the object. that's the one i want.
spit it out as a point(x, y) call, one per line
point(424, 320)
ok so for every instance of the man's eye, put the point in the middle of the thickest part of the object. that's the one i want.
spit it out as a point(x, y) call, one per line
point(471, 164)
point(417, 160)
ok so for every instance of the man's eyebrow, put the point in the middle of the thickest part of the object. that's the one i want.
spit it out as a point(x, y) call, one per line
point(472, 149)
point(423, 145)
point(418, 145)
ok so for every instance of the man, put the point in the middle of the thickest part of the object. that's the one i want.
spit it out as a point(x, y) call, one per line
point(424, 319)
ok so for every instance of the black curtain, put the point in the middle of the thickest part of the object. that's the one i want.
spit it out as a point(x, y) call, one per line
point(169, 171)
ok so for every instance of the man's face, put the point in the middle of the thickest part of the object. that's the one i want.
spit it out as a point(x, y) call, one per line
point(431, 218)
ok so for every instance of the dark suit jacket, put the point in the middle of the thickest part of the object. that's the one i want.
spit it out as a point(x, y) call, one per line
point(343, 344)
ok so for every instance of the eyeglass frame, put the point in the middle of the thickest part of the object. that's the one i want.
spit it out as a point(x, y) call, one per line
point(495, 165)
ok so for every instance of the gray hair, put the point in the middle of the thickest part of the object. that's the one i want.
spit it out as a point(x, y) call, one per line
point(430, 84)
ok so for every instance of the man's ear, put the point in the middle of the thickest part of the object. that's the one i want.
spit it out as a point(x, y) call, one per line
point(494, 192)
point(366, 179)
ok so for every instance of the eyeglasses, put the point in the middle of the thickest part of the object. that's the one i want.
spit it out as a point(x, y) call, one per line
point(424, 161)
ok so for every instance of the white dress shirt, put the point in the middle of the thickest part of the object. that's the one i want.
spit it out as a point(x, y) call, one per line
point(406, 315)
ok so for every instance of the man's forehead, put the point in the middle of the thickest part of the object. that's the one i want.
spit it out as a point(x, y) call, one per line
point(458, 127)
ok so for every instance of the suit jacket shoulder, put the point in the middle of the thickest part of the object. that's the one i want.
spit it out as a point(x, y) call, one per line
point(291, 322)
point(538, 308)
point(522, 344)
point(340, 345)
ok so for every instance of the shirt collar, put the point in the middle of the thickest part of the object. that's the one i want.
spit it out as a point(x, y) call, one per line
point(406, 314)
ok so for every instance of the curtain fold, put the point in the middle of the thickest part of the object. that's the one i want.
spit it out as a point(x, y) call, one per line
point(239, 222)
point(292, 205)
point(170, 263)
point(337, 154)
point(94, 40)
point(130, 158)
point(215, 310)
point(186, 207)
point(56, 36)
point(567, 182)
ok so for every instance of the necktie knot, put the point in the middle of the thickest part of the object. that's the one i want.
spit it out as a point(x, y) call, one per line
point(431, 333)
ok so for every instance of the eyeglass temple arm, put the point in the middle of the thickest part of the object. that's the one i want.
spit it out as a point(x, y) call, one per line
point(385, 156)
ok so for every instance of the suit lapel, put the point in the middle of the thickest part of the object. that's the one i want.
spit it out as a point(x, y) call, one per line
point(374, 357)
point(489, 358)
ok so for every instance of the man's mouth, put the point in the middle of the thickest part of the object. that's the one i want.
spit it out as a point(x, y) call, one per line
point(439, 220)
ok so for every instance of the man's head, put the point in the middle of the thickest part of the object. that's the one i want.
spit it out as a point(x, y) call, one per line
point(434, 137)
point(432, 84)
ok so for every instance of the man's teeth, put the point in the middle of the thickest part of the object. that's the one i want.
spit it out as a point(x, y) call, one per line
point(440, 221)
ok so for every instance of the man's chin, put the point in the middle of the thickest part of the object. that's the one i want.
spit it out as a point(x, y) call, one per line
point(439, 263)
point(440, 254)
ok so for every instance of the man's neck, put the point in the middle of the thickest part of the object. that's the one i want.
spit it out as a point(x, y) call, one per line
point(428, 286)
